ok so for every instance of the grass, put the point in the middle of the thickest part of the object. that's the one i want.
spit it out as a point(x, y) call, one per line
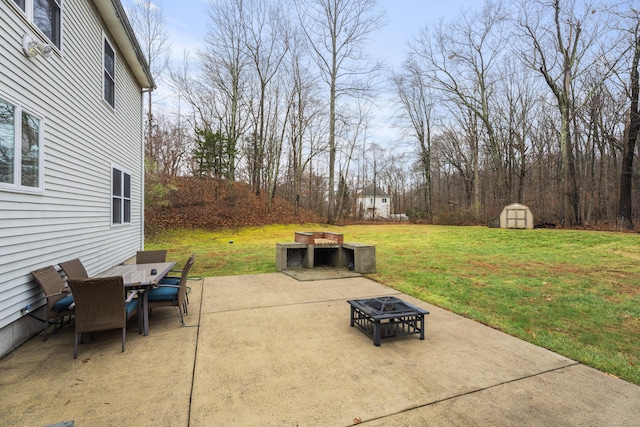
point(574, 292)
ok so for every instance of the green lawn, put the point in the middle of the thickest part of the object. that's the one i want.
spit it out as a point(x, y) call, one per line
point(574, 292)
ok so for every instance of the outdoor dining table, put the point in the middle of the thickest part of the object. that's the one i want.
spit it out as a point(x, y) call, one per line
point(142, 277)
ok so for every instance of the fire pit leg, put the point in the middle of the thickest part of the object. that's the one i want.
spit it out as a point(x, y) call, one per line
point(377, 334)
point(352, 322)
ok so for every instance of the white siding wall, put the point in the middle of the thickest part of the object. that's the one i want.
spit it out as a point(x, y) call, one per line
point(83, 137)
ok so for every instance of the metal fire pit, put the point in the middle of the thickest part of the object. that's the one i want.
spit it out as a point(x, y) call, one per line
point(385, 317)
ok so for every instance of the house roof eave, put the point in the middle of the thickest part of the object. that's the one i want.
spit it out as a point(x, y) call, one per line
point(369, 191)
point(118, 24)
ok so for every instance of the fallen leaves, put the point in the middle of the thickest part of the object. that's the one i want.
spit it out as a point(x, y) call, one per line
point(210, 204)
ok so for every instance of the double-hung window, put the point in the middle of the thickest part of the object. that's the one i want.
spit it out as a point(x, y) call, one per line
point(45, 14)
point(20, 148)
point(121, 196)
point(109, 78)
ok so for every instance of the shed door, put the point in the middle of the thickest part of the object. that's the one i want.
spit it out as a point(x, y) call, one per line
point(516, 218)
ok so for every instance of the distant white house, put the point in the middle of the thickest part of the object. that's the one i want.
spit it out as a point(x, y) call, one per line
point(72, 78)
point(373, 203)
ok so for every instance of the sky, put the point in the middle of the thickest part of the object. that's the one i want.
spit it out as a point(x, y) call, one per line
point(186, 22)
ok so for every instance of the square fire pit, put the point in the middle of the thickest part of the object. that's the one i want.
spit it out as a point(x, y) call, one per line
point(385, 317)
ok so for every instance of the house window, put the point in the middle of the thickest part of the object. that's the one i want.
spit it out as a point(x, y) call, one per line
point(45, 14)
point(109, 74)
point(20, 148)
point(121, 196)
point(384, 200)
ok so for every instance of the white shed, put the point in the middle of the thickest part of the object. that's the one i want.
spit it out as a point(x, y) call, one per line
point(516, 216)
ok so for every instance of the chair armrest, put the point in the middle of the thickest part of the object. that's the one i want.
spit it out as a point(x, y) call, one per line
point(53, 295)
point(131, 296)
point(165, 285)
point(62, 291)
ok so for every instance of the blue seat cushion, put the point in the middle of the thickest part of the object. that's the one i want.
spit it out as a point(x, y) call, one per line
point(170, 281)
point(163, 293)
point(63, 304)
point(130, 306)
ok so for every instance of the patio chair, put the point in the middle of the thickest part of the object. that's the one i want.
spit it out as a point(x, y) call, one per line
point(150, 257)
point(169, 295)
point(58, 301)
point(175, 280)
point(100, 306)
point(74, 269)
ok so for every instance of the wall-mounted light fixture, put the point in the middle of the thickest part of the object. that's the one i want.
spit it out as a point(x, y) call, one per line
point(32, 48)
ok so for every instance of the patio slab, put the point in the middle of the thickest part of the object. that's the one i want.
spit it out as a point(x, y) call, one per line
point(268, 350)
point(147, 384)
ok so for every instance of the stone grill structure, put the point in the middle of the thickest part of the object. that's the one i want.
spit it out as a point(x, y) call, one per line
point(325, 249)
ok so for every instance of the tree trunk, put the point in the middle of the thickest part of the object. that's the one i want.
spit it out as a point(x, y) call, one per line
point(632, 131)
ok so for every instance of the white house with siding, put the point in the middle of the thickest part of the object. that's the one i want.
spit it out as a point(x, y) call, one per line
point(72, 78)
point(373, 203)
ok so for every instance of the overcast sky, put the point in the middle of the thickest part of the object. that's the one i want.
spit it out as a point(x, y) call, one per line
point(186, 23)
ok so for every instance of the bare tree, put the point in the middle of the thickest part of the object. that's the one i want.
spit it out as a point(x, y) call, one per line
point(279, 111)
point(417, 104)
point(356, 125)
point(148, 22)
point(376, 159)
point(265, 41)
point(598, 135)
point(633, 124)
point(394, 179)
point(461, 61)
point(562, 35)
point(220, 95)
point(206, 121)
point(303, 117)
point(337, 31)
point(459, 149)
point(171, 146)
point(517, 114)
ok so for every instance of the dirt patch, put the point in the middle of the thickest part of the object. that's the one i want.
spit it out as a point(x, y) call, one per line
point(626, 289)
point(628, 255)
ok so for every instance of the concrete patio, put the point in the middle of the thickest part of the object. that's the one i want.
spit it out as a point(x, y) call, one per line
point(268, 350)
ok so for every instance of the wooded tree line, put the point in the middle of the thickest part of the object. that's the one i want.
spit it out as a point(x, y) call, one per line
point(534, 102)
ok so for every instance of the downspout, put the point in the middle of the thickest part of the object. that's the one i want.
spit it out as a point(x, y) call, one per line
point(121, 15)
point(142, 166)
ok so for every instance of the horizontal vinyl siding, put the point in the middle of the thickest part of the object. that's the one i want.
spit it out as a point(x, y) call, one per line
point(84, 136)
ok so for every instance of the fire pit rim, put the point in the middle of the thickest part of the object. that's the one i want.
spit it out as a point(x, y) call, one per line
point(406, 308)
